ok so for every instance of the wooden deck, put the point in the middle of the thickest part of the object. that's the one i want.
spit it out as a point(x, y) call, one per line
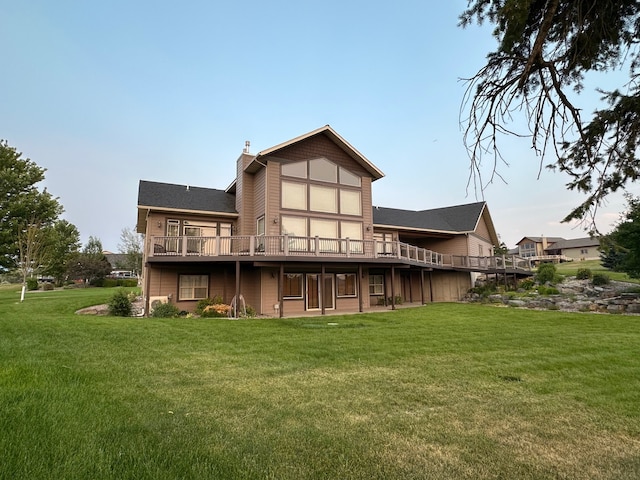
point(286, 248)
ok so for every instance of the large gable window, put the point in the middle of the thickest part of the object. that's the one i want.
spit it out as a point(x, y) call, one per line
point(323, 199)
point(350, 202)
point(322, 170)
point(324, 229)
point(294, 195)
point(352, 231)
point(348, 178)
point(295, 169)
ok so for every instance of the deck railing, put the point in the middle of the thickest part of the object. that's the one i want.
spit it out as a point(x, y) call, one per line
point(295, 246)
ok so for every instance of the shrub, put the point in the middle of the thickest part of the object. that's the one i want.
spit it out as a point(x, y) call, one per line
point(216, 310)
point(47, 286)
point(526, 284)
point(202, 304)
point(251, 312)
point(546, 273)
point(120, 304)
point(485, 290)
point(397, 299)
point(542, 290)
point(583, 274)
point(600, 279)
point(165, 310)
point(32, 284)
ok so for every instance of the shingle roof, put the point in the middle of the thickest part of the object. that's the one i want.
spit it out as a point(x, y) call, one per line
point(458, 218)
point(183, 197)
point(575, 243)
point(550, 240)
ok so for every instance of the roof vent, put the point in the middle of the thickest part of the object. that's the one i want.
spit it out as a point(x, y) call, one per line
point(187, 188)
point(247, 144)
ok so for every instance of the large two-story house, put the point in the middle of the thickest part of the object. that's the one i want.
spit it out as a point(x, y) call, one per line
point(296, 232)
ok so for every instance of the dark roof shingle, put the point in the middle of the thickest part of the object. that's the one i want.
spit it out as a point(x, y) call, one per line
point(458, 218)
point(169, 195)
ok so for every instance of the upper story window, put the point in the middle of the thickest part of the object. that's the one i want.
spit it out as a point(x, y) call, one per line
point(321, 198)
point(348, 178)
point(294, 195)
point(322, 170)
point(296, 169)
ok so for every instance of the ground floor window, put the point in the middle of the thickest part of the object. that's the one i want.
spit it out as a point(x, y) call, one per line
point(292, 285)
point(376, 284)
point(194, 287)
point(346, 284)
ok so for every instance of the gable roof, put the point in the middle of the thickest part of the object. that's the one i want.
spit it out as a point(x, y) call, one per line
point(575, 243)
point(374, 171)
point(550, 240)
point(455, 219)
point(169, 196)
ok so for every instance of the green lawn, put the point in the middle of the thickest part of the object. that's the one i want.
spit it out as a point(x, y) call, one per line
point(438, 392)
point(571, 268)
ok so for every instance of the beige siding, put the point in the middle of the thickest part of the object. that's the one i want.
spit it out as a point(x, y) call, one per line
point(272, 199)
point(293, 307)
point(593, 253)
point(269, 291)
point(347, 304)
point(259, 199)
point(454, 246)
point(450, 286)
point(367, 210)
point(250, 287)
point(479, 247)
point(482, 230)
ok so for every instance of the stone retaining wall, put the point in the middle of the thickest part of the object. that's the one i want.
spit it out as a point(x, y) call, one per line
point(575, 295)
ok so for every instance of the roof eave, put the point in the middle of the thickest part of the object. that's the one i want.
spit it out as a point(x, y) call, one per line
point(375, 172)
point(209, 213)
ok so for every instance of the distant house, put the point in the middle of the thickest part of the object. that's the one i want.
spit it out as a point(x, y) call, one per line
point(535, 248)
point(118, 261)
point(296, 232)
point(587, 248)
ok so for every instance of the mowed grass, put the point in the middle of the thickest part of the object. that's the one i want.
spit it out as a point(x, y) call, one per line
point(571, 268)
point(436, 392)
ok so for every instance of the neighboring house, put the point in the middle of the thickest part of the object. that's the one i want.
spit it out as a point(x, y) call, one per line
point(587, 248)
point(296, 232)
point(118, 261)
point(535, 249)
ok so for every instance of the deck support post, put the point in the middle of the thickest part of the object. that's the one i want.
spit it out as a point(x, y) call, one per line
point(360, 283)
point(237, 287)
point(431, 286)
point(393, 287)
point(422, 286)
point(321, 289)
point(280, 290)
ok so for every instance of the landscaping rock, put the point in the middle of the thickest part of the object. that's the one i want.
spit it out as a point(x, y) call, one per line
point(575, 295)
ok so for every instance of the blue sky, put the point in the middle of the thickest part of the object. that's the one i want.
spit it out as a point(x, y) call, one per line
point(104, 94)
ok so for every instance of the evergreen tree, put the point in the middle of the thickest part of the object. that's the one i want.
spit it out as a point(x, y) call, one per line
point(545, 50)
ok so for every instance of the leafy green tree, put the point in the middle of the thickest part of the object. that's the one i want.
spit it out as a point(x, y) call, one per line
point(89, 265)
point(501, 249)
point(64, 241)
point(33, 251)
point(622, 245)
point(21, 203)
point(131, 245)
point(545, 50)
